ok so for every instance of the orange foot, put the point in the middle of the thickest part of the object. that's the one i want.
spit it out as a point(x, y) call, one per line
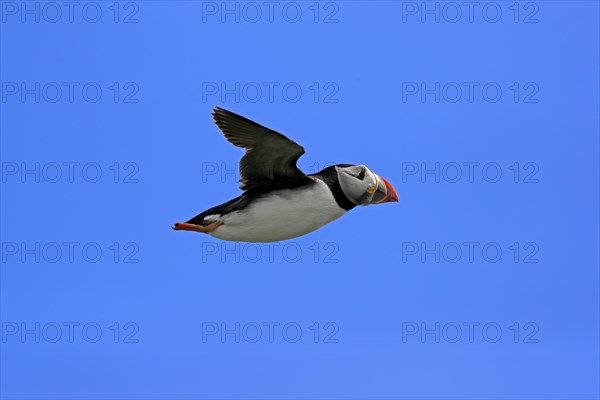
point(184, 226)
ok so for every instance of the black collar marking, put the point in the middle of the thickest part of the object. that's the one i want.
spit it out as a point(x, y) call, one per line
point(330, 177)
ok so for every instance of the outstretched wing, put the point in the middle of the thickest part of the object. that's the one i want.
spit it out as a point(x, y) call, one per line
point(270, 159)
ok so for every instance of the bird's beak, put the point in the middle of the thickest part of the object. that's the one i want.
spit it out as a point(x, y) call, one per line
point(385, 192)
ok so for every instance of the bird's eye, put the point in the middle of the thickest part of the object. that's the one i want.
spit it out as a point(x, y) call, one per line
point(361, 174)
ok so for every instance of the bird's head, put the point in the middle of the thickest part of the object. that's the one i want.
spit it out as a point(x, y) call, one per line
point(363, 187)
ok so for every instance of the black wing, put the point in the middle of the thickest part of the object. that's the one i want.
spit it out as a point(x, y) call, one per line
point(270, 159)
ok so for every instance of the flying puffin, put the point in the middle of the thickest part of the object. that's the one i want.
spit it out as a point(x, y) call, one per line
point(280, 202)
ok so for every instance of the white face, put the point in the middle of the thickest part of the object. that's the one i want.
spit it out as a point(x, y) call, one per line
point(360, 185)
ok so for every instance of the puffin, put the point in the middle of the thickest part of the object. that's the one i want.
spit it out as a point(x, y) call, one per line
point(279, 201)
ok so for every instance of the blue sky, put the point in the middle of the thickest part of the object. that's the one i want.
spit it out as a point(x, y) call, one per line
point(482, 282)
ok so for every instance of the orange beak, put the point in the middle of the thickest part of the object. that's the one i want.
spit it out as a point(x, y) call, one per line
point(385, 192)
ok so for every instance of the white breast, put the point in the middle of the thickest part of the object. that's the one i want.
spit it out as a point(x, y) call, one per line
point(281, 215)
